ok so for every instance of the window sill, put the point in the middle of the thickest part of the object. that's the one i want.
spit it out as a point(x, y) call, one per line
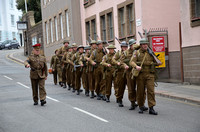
point(195, 22)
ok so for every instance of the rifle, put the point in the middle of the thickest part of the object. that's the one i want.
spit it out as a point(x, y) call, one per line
point(76, 66)
point(117, 39)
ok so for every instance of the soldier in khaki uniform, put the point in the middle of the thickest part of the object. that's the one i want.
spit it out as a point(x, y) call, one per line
point(91, 74)
point(95, 60)
point(131, 84)
point(69, 67)
point(146, 76)
point(57, 66)
point(85, 69)
point(53, 59)
point(78, 67)
point(38, 74)
point(61, 53)
point(69, 60)
point(109, 70)
point(119, 74)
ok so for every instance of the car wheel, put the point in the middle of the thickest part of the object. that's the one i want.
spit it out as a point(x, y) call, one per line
point(9, 48)
point(18, 47)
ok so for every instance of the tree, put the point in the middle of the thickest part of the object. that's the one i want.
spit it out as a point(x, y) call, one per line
point(32, 5)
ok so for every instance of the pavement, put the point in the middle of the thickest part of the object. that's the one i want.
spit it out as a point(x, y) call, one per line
point(178, 91)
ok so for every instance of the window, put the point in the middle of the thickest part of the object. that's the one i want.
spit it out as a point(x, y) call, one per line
point(46, 29)
point(130, 19)
point(0, 35)
point(103, 28)
point(56, 28)
point(94, 34)
point(13, 35)
point(61, 26)
point(51, 30)
point(11, 4)
point(34, 40)
point(110, 26)
point(122, 22)
point(195, 13)
point(88, 31)
point(88, 3)
point(12, 20)
point(67, 23)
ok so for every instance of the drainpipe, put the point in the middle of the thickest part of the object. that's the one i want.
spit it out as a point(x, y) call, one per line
point(181, 53)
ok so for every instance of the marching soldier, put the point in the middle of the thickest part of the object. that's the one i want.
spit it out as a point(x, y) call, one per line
point(57, 66)
point(119, 74)
point(91, 74)
point(61, 53)
point(85, 68)
point(69, 67)
point(95, 60)
point(109, 70)
point(53, 59)
point(38, 74)
point(77, 67)
point(144, 63)
point(131, 84)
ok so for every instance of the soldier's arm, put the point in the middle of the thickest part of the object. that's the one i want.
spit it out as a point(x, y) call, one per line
point(71, 60)
point(123, 64)
point(104, 61)
point(136, 46)
point(80, 61)
point(52, 61)
point(27, 62)
point(64, 60)
point(55, 63)
point(92, 58)
point(133, 60)
point(115, 58)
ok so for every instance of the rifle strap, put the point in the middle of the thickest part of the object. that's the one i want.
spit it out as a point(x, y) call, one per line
point(145, 54)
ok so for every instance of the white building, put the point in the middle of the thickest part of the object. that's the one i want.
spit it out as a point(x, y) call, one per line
point(9, 15)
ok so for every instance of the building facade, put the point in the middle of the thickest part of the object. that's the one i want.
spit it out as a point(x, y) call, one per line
point(61, 20)
point(190, 27)
point(105, 20)
point(9, 15)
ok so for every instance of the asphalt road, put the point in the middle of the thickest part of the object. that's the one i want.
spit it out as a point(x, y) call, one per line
point(68, 112)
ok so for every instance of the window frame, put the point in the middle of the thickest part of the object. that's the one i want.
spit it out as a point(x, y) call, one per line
point(194, 20)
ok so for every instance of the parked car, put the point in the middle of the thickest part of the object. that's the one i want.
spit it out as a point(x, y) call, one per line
point(9, 44)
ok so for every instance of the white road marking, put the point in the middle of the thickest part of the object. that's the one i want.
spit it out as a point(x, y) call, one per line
point(90, 114)
point(23, 85)
point(8, 77)
point(53, 99)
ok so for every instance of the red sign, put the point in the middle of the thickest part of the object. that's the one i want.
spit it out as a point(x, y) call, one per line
point(158, 44)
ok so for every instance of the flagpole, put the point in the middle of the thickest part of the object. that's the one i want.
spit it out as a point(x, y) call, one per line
point(26, 6)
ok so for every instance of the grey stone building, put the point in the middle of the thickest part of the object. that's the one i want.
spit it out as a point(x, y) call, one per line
point(61, 21)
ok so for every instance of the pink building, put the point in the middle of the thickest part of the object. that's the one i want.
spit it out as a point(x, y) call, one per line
point(124, 18)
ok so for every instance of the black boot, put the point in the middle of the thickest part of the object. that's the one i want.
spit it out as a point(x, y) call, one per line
point(73, 90)
point(64, 85)
point(141, 109)
point(78, 92)
point(107, 99)
point(69, 87)
point(120, 103)
point(117, 100)
point(145, 108)
point(43, 102)
point(87, 93)
point(35, 103)
point(92, 95)
point(133, 106)
point(103, 98)
point(98, 97)
point(152, 111)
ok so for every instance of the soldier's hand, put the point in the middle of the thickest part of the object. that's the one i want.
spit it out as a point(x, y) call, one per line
point(81, 65)
point(109, 65)
point(118, 63)
point(94, 63)
point(87, 59)
point(138, 68)
point(27, 66)
point(126, 67)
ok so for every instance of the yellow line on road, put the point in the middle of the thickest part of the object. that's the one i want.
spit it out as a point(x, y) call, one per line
point(14, 60)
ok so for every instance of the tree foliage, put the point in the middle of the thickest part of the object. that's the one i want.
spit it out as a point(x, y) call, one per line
point(32, 5)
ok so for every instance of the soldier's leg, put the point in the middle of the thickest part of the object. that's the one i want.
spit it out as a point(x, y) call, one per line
point(55, 77)
point(34, 83)
point(140, 89)
point(69, 78)
point(97, 80)
point(150, 90)
point(78, 80)
point(59, 75)
point(108, 85)
point(84, 78)
point(131, 84)
point(121, 83)
point(42, 90)
point(64, 76)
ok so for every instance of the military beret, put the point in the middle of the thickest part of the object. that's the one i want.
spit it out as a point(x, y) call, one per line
point(37, 46)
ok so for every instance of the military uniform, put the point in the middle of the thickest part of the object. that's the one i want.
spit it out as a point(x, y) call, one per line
point(109, 70)
point(38, 74)
point(85, 68)
point(57, 66)
point(78, 69)
point(96, 57)
point(53, 59)
point(131, 84)
point(119, 76)
point(145, 77)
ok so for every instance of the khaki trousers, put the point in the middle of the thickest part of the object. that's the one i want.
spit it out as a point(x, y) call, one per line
point(42, 92)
